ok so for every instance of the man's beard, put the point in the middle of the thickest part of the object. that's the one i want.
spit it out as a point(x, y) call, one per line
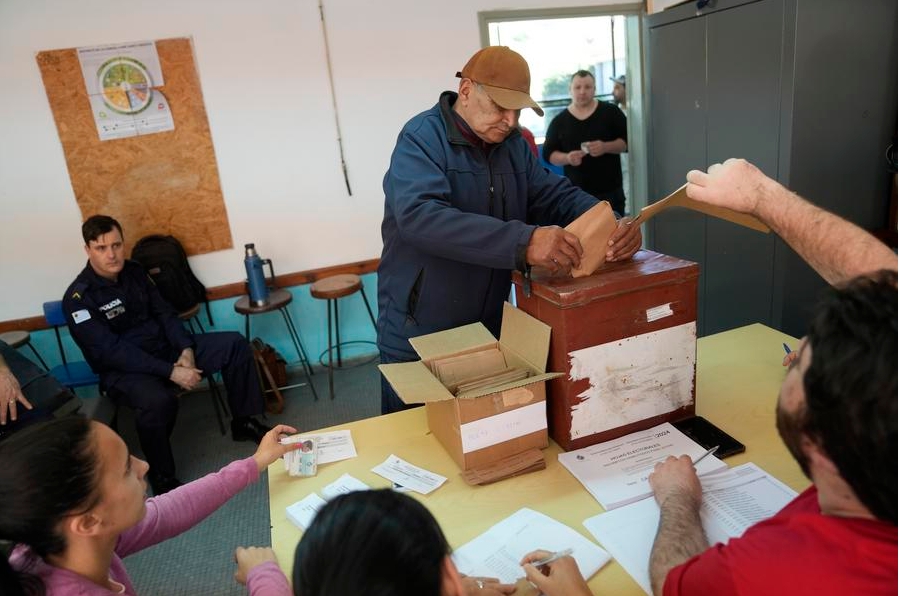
point(789, 427)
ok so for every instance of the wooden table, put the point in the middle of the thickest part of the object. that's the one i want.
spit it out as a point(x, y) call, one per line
point(739, 374)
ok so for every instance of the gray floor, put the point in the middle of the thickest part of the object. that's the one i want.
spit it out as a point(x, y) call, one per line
point(200, 560)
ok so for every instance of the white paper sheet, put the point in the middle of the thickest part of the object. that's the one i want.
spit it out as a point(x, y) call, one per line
point(405, 474)
point(343, 485)
point(732, 501)
point(303, 512)
point(617, 472)
point(497, 552)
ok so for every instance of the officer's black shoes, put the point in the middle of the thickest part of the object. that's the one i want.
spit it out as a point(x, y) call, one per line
point(248, 429)
point(162, 484)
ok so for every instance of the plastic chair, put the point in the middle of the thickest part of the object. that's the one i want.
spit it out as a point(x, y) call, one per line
point(70, 374)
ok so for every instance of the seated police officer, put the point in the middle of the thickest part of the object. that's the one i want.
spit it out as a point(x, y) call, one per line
point(134, 340)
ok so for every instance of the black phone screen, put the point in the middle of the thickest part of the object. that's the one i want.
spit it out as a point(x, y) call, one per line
point(708, 435)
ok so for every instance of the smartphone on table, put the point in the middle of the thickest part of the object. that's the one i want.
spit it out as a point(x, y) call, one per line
point(708, 435)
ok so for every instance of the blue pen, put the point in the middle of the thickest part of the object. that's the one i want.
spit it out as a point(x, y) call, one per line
point(787, 349)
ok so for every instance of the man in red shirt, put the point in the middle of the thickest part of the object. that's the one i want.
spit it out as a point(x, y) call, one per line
point(836, 413)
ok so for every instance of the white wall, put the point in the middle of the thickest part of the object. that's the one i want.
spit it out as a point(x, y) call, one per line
point(266, 91)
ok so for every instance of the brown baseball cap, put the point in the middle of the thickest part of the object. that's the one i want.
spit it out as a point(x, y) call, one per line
point(504, 75)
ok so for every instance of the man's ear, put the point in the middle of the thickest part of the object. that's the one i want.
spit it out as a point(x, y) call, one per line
point(450, 581)
point(87, 250)
point(817, 457)
point(466, 86)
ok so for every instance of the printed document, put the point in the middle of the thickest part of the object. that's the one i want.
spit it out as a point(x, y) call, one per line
point(617, 472)
point(497, 552)
point(405, 474)
point(303, 512)
point(732, 501)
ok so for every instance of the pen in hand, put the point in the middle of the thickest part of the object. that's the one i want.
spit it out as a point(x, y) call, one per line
point(553, 557)
point(787, 349)
point(705, 455)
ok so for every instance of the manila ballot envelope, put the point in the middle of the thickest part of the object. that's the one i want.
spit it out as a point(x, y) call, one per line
point(595, 226)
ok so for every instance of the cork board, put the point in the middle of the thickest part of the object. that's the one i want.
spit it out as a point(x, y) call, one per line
point(163, 183)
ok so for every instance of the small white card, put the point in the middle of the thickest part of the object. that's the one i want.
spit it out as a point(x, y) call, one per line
point(409, 476)
point(333, 446)
point(303, 512)
point(343, 485)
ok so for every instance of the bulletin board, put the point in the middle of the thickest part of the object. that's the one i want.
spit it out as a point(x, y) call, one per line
point(161, 183)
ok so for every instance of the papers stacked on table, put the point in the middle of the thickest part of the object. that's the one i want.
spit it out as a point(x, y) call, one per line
point(617, 472)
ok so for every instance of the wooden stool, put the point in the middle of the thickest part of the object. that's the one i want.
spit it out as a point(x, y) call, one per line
point(330, 289)
point(278, 299)
point(17, 339)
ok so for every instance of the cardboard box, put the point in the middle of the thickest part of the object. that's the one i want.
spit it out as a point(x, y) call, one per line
point(481, 426)
point(625, 340)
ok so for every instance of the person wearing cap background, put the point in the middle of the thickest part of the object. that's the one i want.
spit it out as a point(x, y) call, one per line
point(619, 91)
point(466, 202)
point(586, 139)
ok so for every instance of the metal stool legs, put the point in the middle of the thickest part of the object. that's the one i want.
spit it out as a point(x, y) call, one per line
point(301, 352)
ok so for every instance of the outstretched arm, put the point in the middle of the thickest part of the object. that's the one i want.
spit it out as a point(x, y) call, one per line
point(836, 248)
point(680, 536)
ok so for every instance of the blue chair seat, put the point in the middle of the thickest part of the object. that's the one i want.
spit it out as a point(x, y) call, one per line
point(75, 374)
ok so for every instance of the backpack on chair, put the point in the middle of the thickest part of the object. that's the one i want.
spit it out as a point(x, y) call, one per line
point(164, 259)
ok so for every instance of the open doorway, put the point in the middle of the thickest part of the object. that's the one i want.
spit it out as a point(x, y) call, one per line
point(556, 43)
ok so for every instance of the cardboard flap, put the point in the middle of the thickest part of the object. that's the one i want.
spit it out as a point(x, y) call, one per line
point(432, 345)
point(414, 381)
point(511, 385)
point(525, 336)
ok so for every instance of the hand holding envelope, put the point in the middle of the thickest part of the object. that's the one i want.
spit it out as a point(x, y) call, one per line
point(595, 227)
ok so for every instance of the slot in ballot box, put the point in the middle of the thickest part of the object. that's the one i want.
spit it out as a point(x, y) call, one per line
point(624, 339)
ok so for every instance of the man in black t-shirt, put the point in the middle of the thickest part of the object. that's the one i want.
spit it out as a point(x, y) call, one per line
point(586, 139)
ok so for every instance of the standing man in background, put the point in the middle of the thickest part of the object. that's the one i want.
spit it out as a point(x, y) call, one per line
point(466, 202)
point(587, 140)
point(135, 341)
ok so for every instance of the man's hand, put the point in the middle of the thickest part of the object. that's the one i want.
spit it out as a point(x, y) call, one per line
point(559, 578)
point(676, 476)
point(625, 241)
point(186, 359)
point(248, 558)
point(186, 377)
point(485, 586)
point(551, 247)
point(595, 148)
point(10, 394)
point(575, 158)
point(735, 184)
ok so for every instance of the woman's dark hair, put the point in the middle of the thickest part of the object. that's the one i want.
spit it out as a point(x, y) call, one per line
point(850, 387)
point(374, 542)
point(47, 471)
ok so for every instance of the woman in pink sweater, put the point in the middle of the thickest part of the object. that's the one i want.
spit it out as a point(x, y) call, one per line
point(72, 503)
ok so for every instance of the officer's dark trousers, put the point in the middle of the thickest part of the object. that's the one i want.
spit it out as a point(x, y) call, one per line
point(155, 400)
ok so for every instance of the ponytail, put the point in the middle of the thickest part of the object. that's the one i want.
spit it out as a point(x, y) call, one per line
point(47, 471)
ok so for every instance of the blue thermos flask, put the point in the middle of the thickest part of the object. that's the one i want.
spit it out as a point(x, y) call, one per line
point(255, 276)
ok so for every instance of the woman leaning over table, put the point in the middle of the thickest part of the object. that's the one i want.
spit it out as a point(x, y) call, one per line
point(384, 543)
point(72, 502)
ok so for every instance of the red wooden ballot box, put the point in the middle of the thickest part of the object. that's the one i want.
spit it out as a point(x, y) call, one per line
point(625, 339)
